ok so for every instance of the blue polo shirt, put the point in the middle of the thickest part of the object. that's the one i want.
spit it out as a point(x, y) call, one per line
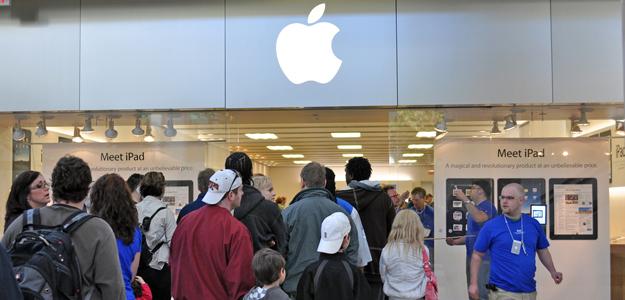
point(427, 218)
point(473, 227)
point(508, 271)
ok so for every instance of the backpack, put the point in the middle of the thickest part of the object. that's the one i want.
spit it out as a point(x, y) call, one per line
point(146, 253)
point(431, 286)
point(44, 261)
point(322, 265)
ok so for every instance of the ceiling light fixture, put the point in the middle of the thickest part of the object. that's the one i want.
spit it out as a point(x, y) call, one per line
point(510, 123)
point(170, 131)
point(495, 129)
point(620, 128)
point(420, 146)
point(342, 135)
point(148, 133)
point(583, 119)
point(261, 136)
point(426, 134)
point(42, 130)
point(407, 161)
point(301, 162)
point(87, 129)
point(441, 126)
point(138, 131)
point(412, 154)
point(293, 155)
point(349, 147)
point(352, 155)
point(77, 138)
point(280, 148)
point(575, 127)
point(441, 135)
point(18, 133)
point(111, 133)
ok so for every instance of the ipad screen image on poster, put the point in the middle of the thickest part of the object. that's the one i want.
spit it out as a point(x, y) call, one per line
point(539, 212)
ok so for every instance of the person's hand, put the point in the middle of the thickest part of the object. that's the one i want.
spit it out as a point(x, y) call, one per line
point(458, 193)
point(557, 277)
point(404, 196)
point(139, 279)
point(451, 241)
point(474, 292)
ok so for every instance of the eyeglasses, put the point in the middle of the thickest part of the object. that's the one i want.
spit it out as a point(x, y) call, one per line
point(41, 185)
point(506, 198)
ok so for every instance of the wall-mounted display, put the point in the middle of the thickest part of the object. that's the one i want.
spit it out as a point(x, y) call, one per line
point(178, 193)
point(456, 211)
point(535, 197)
point(574, 208)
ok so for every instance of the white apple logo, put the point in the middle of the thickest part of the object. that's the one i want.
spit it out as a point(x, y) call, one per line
point(305, 52)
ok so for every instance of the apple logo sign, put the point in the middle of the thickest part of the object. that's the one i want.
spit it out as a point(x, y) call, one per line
point(305, 51)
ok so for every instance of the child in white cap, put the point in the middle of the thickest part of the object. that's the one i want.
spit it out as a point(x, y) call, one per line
point(332, 277)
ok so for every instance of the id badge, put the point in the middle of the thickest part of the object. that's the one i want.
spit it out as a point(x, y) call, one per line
point(426, 232)
point(516, 247)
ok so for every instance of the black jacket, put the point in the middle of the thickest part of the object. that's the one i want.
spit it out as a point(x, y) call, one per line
point(333, 281)
point(263, 219)
point(377, 214)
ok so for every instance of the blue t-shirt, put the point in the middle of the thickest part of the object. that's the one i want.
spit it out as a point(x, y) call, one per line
point(473, 227)
point(126, 256)
point(427, 218)
point(508, 271)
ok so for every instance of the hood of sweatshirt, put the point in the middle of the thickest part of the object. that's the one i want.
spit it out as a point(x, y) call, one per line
point(313, 192)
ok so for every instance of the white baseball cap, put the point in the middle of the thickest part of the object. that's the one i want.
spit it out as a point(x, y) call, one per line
point(220, 183)
point(333, 229)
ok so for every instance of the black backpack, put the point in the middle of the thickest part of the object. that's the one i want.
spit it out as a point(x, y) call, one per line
point(146, 253)
point(44, 261)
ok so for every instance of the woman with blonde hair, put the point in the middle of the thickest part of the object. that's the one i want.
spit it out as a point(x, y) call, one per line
point(401, 263)
point(263, 184)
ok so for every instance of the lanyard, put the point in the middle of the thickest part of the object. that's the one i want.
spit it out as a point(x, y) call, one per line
point(522, 232)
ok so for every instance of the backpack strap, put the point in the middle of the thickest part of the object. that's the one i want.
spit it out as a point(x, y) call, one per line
point(156, 212)
point(74, 221)
point(31, 218)
point(323, 264)
point(318, 274)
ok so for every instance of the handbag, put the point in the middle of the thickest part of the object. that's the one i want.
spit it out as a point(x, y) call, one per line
point(431, 287)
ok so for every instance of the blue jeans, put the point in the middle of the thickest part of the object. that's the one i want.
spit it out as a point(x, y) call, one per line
point(482, 277)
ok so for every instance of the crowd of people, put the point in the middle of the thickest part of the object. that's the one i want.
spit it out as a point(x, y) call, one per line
point(235, 242)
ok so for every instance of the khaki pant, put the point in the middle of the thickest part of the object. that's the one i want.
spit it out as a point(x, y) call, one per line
point(505, 295)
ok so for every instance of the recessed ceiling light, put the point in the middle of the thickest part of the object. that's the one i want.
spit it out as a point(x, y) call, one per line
point(261, 136)
point(340, 135)
point(412, 154)
point(301, 162)
point(407, 161)
point(280, 148)
point(420, 146)
point(293, 155)
point(349, 147)
point(353, 155)
point(426, 134)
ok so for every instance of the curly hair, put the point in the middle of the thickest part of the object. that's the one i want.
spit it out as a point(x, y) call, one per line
point(242, 163)
point(153, 184)
point(358, 168)
point(71, 178)
point(17, 202)
point(111, 200)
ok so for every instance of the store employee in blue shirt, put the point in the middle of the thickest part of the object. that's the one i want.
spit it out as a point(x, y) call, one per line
point(513, 239)
point(479, 210)
point(426, 214)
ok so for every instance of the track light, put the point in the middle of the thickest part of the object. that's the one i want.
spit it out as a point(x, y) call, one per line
point(510, 122)
point(148, 133)
point(111, 133)
point(138, 131)
point(441, 126)
point(495, 129)
point(77, 138)
point(170, 131)
point(18, 133)
point(620, 128)
point(575, 127)
point(42, 130)
point(583, 120)
point(87, 128)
